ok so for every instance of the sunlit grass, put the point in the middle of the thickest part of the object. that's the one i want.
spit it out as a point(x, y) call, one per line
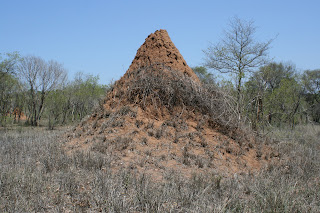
point(36, 175)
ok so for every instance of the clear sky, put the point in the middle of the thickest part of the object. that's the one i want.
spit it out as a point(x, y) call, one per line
point(101, 37)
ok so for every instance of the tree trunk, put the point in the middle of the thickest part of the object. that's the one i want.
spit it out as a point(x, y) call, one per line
point(239, 96)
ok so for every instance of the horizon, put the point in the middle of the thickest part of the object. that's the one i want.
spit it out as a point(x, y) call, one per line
point(101, 38)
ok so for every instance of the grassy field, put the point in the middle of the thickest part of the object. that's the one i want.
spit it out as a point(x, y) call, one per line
point(37, 176)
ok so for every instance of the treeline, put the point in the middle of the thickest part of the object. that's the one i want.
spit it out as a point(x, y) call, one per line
point(261, 92)
point(275, 95)
point(34, 91)
point(37, 92)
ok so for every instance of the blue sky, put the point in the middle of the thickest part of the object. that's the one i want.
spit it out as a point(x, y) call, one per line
point(101, 37)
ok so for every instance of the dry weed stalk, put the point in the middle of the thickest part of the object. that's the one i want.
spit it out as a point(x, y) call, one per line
point(170, 90)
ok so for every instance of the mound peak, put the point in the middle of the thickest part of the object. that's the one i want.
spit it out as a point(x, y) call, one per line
point(159, 51)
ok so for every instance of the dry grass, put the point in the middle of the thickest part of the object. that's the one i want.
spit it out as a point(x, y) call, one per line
point(36, 175)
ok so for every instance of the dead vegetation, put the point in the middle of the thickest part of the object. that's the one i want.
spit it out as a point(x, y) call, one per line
point(172, 91)
point(157, 121)
point(36, 175)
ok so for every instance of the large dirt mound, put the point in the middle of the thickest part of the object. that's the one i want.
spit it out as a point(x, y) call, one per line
point(159, 117)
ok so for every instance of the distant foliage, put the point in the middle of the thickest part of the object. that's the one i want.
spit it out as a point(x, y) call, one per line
point(38, 91)
point(203, 74)
point(11, 89)
point(75, 100)
point(275, 96)
point(311, 83)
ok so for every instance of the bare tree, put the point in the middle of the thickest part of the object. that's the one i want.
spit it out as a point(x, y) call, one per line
point(41, 78)
point(238, 53)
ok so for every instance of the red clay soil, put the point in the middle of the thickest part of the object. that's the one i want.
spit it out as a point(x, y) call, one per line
point(17, 114)
point(159, 50)
point(154, 138)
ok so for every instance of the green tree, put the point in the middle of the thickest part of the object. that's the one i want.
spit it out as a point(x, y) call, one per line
point(74, 101)
point(274, 95)
point(311, 82)
point(285, 102)
point(9, 88)
point(58, 105)
point(8, 62)
point(86, 93)
point(10, 99)
point(203, 74)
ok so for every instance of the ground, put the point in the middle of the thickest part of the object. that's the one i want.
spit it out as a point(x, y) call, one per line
point(37, 175)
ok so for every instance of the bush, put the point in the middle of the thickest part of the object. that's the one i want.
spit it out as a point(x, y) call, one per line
point(168, 90)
